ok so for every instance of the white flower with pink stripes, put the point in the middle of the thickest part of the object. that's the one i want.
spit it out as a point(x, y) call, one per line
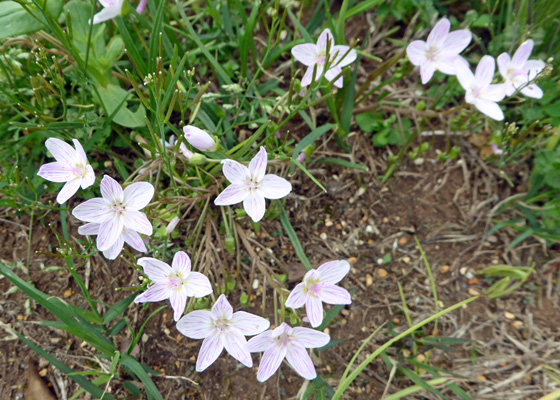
point(175, 283)
point(116, 210)
point(290, 343)
point(318, 286)
point(519, 71)
point(71, 166)
point(251, 186)
point(127, 236)
point(221, 328)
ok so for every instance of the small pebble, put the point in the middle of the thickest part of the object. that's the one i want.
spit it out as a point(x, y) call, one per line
point(369, 229)
point(328, 223)
point(473, 281)
point(509, 315)
point(440, 304)
point(403, 241)
point(67, 293)
point(43, 372)
point(396, 320)
point(382, 273)
point(473, 292)
point(469, 275)
point(323, 236)
point(420, 358)
point(255, 284)
point(369, 280)
point(352, 260)
point(463, 270)
point(517, 324)
point(481, 378)
point(444, 269)
point(406, 353)
point(385, 220)
point(406, 260)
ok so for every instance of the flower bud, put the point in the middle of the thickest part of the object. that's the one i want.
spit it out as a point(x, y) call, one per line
point(198, 159)
point(186, 152)
point(199, 139)
point(172, 225)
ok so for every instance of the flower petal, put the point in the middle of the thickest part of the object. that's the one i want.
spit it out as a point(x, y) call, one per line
point(332, 294)
point(233, 194)
point(305, 53)
point(299, 359)
point(333, 271)
point(532, 91)
point(503, 64)
point(133, 239)
point(89, 229)
point(464, 75)
point(222, 308)
point(157, 270)
point(308, 77)
point(236, 345)
point(154, 294)
point(271, 360)
point(342, 56)
point(447, 64)
point(522, 54)
point(416, 52)
point(310, 338)
point(106, 14)
point(80, 153)
point(181, 263)
point(68, 190)
point(109, 232)
point(209, 351)
point(427, 71)
point(297, 297)
point(89, 178)
point(197, 285)
point(56, 172)
point(249, 324)
point(113, 252)
point(178, 299)
point(111, 190)
point(260, 342)
point(494, 92)
point(93, 210)
point(196, 324)
point(322, 41)
point(333, 73)
point(138, 195)
point(485, 71)
point(438, 34)
point(62, 151)
point(257, 166)
point(456, 42)
point(137, 221)
point(535, 66)
point(314, 308)
point(275, 187)
point(490, 108)
point(255, 207)
point(235, 172)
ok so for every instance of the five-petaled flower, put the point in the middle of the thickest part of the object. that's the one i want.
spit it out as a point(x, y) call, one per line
point(290, 343)
point(251, 186)
point(117, 209)
point(318, 286)
point(440, 51)
point(127, 235)
point(519, 71)
point(175, 283)
point(480, 92)
point(71, 166)
point(221, 328)
point(314, 56)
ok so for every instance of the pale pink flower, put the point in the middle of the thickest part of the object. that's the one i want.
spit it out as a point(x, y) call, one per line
point(116, 210)
point(182, 147)
point(496, 150)
point(199, 139)
point(175, 283)
point(290, 343)
point(141, 6)
point(172, 225)
point(111, 9)
point(221, 328)
point(127, 235)
point(519, 71)
point(440, 51)
point(71, 166)
point(480, 92)
point(312, 55)
point(318, 286)
point(251, 186)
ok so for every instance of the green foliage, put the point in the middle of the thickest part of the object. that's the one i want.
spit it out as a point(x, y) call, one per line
point(19, 17)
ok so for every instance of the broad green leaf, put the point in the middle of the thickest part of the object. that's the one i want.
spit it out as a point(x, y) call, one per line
point(15, 20)
point(112, 96)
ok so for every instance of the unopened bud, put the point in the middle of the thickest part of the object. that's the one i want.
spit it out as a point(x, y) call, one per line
point(199, 139)
point(198, 159)
point(172, 225)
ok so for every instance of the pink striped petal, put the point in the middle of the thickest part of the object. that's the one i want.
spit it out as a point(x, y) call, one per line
point(322, 41)
point(62, 151)
point(437, 36)
point(332, 294)
point(197, 285)
point(157, 270)
point(106, 14)
point(305, 53)
point(310, 338)
point(260, 342)
point(222, 308)
point(80, 153)
point(56, 172)
point(308, 77)
point(138, 195)
point(427, 71)
point(416, 52)
point(494, 92)
point(249, 324)
point(109, 232)
point(503, 64)
point(178, 299)
point(196, 324)
point(181, 263)
point(89, 178)
point(535, 66)
point(257, 166)
point(154, 294)
point(137, 221)
point(333, 271)
point(447, 64)
point(299, 359)
point(489, 108)
point(456, 42)
point(209, 351)
point(522, 54)
point(93, 210)
point(111, 190)
point(342, 56)
point(233, 194)
point(255, 207)
point(464, 75)
point(314, 308)
point(297, 297)
point(532, 91)
point(133, 239)
point(333, 73)
point(270, 362)
point(235, 172)
point(275, 187)
point(485, 71)
point(113, 252)
point(89, 229)
point(68, 190)
point(236, 345)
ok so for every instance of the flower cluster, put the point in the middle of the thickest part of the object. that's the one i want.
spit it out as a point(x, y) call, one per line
point(441, 53)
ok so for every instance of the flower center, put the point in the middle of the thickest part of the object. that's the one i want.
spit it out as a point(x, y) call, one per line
point(252, 184)
point(321, 58)
point(119, 208)
point(80, 170)
point(176, 281)
point(283, 340)
point(312, 287)
point(476, 91)
point(221, 324)
point(432, 53)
